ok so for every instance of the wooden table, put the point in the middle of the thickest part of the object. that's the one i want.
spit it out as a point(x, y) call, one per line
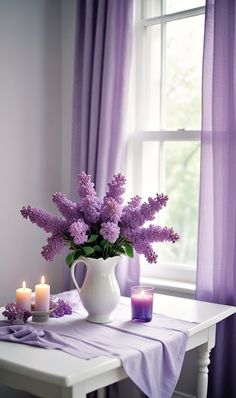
point(54, 374)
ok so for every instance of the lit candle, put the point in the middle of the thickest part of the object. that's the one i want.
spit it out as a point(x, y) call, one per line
point(141, 303)
point(23, 298)
point(42, 296)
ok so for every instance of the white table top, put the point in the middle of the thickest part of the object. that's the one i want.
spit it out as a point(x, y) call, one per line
point(66, 370)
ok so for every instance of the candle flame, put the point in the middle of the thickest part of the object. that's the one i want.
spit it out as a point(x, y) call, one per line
point(42, 280)
point(142, 293)
point(24, 285)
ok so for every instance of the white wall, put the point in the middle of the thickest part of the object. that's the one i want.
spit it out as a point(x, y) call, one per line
point(31, 139)
point(31, 135)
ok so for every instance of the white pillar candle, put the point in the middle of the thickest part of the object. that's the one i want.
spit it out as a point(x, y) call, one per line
point(23, 298)
point(42, 296)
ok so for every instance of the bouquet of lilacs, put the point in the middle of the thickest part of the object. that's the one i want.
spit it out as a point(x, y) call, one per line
point(96, 227)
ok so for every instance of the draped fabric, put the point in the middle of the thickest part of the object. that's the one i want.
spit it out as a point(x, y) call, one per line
point(101, 76)
point(216, 272)
point(102, 63)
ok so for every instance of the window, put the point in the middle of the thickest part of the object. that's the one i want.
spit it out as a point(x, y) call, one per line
point(165, 150)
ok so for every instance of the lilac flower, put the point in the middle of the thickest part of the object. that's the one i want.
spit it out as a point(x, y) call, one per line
point(13, 314)
point(141, 238)
point(111, 210)
point(91, 220)
point(78, 231)
point(134, 203)
point(85, 186)
point(135, 217)
point(60, 308)
point(145, 248)
point(110, 231)
point(45, 220)
point(54, 246)
point(116, 188)
point(90, 204)
point(67, 208)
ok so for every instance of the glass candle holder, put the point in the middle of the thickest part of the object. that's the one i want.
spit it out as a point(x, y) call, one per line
point(141, 303)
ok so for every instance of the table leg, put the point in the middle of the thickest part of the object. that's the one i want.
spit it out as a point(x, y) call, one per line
point(77, 391)
point(203, 362)
point(101, 393)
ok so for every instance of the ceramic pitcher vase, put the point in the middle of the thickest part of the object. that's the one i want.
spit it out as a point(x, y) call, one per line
point(100, 291)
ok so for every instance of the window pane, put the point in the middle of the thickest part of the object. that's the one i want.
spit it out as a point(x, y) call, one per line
point(150, 167)
point(184, 47)
point(180, 5)
point(152, 78)
point(182, 161)
point(151, 8)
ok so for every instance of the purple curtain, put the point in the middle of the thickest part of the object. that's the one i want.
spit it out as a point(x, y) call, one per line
point(216, 272)
point(102, 61)
point(101, 76)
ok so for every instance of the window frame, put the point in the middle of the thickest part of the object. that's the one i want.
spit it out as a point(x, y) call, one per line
point(176, 272)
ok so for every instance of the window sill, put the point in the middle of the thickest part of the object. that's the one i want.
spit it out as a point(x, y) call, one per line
point(167, 286)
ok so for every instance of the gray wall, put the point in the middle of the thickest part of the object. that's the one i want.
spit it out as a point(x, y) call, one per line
point(35, 70)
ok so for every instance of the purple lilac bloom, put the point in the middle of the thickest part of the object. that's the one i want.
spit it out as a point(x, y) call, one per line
point(136, 217)
point(85, 186)
point(142, 238)
point(116, 188)
point(66, 207)
point(60, 308)
point(154, 233)
point(111, 210)
point(78, 230)
point(110, 231)
point(45, 220)
point(13, 314)
point(90, 204)
point(54, 246)
point(134, 203)
point(146, 249)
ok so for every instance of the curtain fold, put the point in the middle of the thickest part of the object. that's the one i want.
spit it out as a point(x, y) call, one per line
point(216, 271)
point(101, 79)
point(102, 63)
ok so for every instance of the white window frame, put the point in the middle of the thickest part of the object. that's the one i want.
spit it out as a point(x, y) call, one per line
point(171, 272)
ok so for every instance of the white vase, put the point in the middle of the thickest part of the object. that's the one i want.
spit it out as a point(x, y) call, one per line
point(100, 292)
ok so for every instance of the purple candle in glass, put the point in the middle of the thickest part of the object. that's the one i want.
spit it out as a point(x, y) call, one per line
point(141, 303)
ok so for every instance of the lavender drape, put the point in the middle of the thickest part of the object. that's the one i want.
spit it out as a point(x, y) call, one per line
point(102, 61)
point(216, 273)
point(101, 76)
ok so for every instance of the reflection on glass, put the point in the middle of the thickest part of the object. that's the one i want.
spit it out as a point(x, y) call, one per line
point(152, 81)
point(182, 163)
point(184, 46)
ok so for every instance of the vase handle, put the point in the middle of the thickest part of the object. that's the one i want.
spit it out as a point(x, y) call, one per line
point(79, 260)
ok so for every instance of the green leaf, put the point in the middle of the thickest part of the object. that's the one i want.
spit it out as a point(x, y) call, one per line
point(97, 248)
point(78, 253)
point(120, 249)
point(129, 250)
point(92, 238)
point(70, 259)
point(104, 243)
point(88, 250)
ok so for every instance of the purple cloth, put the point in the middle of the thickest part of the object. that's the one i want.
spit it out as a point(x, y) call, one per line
point(216, 276)
point(151, 353)
point(101, 76)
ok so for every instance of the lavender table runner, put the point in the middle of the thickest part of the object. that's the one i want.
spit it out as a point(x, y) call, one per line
point(151, 353)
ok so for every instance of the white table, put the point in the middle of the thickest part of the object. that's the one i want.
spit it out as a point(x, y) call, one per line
point(54, 374)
